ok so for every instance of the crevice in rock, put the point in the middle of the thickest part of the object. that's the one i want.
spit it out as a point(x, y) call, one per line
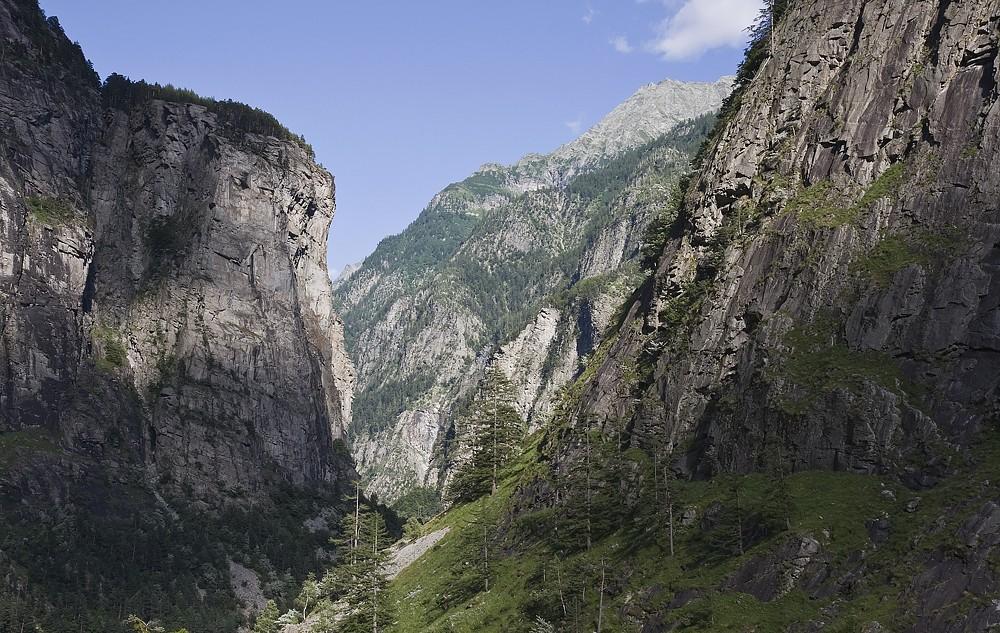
point(89, 288)
point(934, 37)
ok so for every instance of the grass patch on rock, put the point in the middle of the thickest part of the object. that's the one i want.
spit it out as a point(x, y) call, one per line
point(49, 211)
point(823, 205)
point(887, 185)
point(896, 252)
point(112, 354)
point(816, 362)
point(15, 444)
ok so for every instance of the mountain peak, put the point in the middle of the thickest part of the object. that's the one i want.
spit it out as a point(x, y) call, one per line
point(649, 113)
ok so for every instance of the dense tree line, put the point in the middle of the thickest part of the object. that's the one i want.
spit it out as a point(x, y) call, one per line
point(352, 595)
point(127, 555)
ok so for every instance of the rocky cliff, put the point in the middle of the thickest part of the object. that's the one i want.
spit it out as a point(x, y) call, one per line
point(167, 335)
point(793, 426)
point(537, 254)
point(832, 285)
point(828, 300)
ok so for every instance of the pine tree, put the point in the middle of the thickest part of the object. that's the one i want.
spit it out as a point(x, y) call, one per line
point(267, 619)
point(308, 596)
point(139, 625)
point(358, 579)
point(777, 507)
point(540, 625)
point(728, 537)
point(493, 431)
point(591, 506)
point(413, 529)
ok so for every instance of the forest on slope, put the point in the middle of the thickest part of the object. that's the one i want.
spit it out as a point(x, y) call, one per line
point(793, 425)
point(543, 250)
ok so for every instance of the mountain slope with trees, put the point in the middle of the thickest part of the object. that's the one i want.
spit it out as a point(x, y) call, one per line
point(793, 425)
point(539, 251)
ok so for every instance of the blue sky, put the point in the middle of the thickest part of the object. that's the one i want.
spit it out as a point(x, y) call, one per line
point(400, 98)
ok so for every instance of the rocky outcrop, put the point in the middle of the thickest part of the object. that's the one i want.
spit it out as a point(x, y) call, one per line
point(523, 359)
point(405, 555)
point(957, 591)
point(474, 276)
point(167, 333)
point(152, 251)
point(771, 576)
point(830, 300)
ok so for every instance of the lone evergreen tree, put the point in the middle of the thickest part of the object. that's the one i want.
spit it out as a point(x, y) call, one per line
point(492, 437)
point(267, 619)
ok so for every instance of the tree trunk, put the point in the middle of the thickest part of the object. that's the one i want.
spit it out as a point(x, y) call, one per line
point(375, 587)
point(588, 488)
point(600, 602)
point(357, 522)
point(486, 560)
point(739, 522)
point(495, 430)
point(670, 515)
point(562, 598)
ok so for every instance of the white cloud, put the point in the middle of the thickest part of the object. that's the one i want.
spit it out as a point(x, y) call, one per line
point(575, 126)
point(621, 44)
point(702, 25)
point(589, 16)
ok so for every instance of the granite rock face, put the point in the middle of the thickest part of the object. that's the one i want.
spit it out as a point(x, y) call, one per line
point(164, 301)
point(830, 296)
point(829, 299)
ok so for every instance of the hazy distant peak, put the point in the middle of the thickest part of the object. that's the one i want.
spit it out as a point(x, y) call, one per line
point(652, 111)
point(346, 273)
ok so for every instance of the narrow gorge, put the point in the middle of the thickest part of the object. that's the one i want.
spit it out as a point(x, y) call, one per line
point(520, 265)
point(728, 361)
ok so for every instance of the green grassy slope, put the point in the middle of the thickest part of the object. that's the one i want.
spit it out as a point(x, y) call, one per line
point(530, 577)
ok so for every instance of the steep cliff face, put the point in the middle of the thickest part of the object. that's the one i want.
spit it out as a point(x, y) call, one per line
point(794, 426)
point(433, 305)
point(828, 300)
point(166, 319)
point(833, 289)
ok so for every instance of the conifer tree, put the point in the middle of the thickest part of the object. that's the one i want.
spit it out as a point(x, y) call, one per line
point(308, 596)
point(358, 579)
point(493, 431)
point(267, 619)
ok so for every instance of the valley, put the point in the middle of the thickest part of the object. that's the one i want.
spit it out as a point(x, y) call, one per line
point(727, 361)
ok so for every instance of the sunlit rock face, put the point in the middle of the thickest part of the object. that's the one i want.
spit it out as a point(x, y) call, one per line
point(830, 298)
point(165, 306)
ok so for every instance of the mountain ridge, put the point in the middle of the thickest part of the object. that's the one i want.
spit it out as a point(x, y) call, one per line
point(426, 269)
